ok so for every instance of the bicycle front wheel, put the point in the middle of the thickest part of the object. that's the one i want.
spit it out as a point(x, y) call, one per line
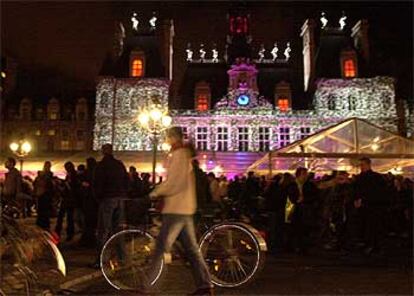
point(234, 253)
point(125, 260)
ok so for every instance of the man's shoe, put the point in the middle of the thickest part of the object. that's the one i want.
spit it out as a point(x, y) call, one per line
point(203, 292)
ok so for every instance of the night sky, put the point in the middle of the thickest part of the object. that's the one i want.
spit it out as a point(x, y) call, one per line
point(69, 40)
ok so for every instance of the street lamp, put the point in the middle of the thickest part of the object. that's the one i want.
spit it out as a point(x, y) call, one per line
point(21, 149)
point(155, 120)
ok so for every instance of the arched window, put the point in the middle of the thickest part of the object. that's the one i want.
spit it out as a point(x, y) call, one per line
point(283, 104)
point(137, 68)
point(349, 68)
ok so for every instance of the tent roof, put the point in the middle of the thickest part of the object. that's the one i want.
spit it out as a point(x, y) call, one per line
point(339, 146)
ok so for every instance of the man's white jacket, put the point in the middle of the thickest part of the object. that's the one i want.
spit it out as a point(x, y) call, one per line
point(178, 191)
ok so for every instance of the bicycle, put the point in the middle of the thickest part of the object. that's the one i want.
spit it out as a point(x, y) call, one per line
point(31, 261)
point(234, 253)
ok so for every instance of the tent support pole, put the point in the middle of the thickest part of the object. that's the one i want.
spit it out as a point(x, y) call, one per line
point(270, 164)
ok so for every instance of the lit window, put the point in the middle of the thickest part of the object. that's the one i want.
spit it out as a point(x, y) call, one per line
point(201, 138)
point(264, 138)
point(349, 68)
point(284, 136)
point(202, 103)
point(136, 68)
point(243, 138)
point(65, 145)
point(222, 138)
point(38, 133)
point(51, 132)
point(283, 104)
point(304, 132)
point(53, 116)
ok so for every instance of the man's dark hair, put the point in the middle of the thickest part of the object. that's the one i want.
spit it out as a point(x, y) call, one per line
point(11, 160)
point(365, 160)
point(175, 131)
point(211, 174)
point(107, 149)
point(300, 170)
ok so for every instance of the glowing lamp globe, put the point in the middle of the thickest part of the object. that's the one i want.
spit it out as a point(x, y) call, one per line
point(165, 147)
point(166, 121)
point(26, 147)
point(14, 147)
point(155, 114)
point(143, 118)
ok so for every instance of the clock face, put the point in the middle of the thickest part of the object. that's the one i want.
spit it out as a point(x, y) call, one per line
point(243, 100)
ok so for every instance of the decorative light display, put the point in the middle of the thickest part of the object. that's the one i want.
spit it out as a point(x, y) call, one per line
point(370, 98)
point(119, 102)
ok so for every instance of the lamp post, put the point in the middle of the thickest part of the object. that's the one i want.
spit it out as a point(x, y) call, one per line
point(155, 120)
point(21, 149)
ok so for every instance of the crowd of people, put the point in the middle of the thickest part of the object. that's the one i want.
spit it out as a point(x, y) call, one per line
point(336, 211)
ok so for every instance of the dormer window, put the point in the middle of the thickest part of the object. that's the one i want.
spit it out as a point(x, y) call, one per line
point(202, 102)
point(202, 96)
point(349, 68)
point(349, 64)
point(283, 104)
point(283, 96)
point(137, 64)
point(136, 70)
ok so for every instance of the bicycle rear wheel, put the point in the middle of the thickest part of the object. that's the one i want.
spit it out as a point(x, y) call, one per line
point(125, 260)
point(234, 253)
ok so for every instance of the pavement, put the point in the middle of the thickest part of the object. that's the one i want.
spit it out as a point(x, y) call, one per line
point(284, 273)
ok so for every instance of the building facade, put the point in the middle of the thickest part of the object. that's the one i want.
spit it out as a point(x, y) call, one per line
point(246, 97)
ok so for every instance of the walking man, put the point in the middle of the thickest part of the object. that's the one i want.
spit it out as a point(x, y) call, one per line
point(178, 194)
point(111, 186)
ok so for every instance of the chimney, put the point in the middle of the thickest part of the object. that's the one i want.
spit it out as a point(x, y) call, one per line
point(307, 34)
point(360, 36)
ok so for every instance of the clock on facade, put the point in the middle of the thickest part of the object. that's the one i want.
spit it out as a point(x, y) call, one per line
point(243, 100)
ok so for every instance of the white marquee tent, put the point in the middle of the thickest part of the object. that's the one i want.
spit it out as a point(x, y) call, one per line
point(339, 147)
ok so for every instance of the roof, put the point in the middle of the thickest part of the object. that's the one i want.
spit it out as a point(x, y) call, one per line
point(327, 58)
point(340, 146)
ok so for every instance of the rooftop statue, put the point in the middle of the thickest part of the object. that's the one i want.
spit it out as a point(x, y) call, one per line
point(153, 21)
point(215, 54)
point(134, 21)
point(274, 52)
point(202, 53)
point(342, 20)
point(189, 53)
point(287, 51)
point(261, 53)
point(324, 20)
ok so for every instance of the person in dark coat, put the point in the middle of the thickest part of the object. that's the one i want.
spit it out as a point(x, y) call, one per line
point(303, 193)
point(135, 184)
point(89, 205)
point(44, 191)
point(372, 194)
point(70, 192)
point(111, 188)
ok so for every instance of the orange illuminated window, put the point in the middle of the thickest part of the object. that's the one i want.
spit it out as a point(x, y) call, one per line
point(202, 103)
point(283, 104)
point(349, 68)
point(137, 68)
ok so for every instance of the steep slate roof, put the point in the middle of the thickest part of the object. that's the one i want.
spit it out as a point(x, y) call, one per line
point(147, 42)
point(328, 53)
